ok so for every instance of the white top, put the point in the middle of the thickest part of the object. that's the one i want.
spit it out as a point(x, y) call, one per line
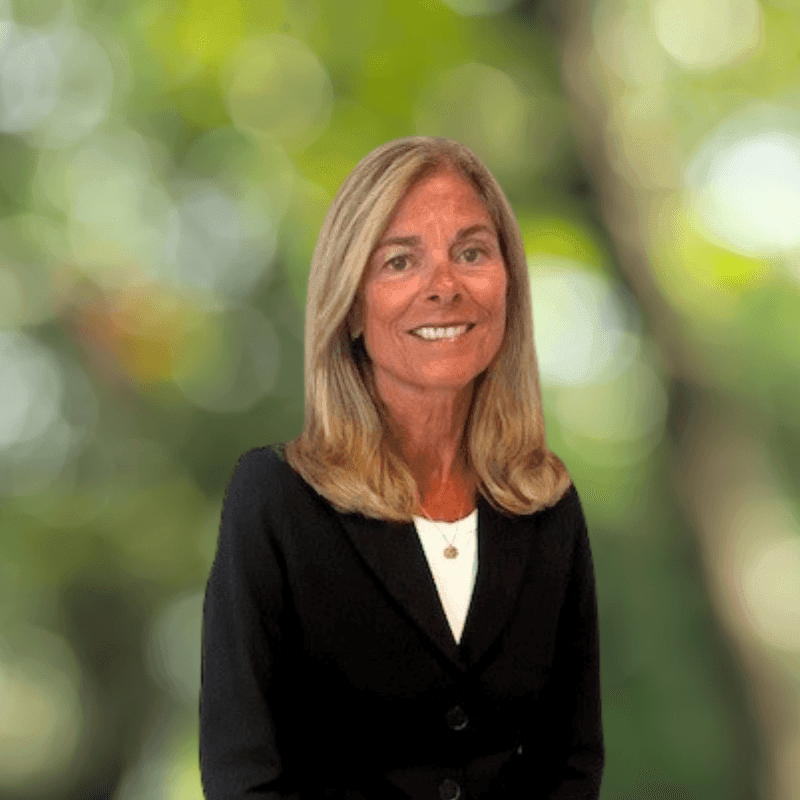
point(454, 577)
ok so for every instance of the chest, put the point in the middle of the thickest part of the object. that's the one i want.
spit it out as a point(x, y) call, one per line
point(368, 616)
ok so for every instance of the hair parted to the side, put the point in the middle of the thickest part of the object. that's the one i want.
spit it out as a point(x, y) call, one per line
point(343, 451)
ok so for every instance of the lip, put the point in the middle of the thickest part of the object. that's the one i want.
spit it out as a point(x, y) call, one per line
point(470, 325)
point(446, 341)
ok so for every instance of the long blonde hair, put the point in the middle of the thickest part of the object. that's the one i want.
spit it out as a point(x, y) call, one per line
point(343, 451)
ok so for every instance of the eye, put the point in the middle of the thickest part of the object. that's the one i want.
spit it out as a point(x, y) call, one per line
point(471, 254)
point(398, 263)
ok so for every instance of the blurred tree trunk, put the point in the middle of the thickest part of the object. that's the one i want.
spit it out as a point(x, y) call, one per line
point(720, 460)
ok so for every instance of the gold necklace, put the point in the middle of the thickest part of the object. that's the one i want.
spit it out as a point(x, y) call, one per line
point(450, 551)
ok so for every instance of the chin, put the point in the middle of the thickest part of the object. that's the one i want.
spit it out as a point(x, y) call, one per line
point(453, 382)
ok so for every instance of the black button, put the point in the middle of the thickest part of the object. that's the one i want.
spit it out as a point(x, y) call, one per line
point(456, 718)
point(449, 790)
point(519, 750)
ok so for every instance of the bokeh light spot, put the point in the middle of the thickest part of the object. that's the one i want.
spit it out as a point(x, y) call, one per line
point(219, 244)
point(620, 420)
point(627, 45)
point(771, 588)
point(29, 69)
point(48, 413)
point(746, 189)
point(55, 85)
point(700, 278)
point(40, 716)
point(708, 34)
point(231, 362)
point(546, 236)
point(84, 92)
point(31, 388)
point(118, 212)
point(580, 323)
point(279, 87)
point(482, 107)
point(174, 647)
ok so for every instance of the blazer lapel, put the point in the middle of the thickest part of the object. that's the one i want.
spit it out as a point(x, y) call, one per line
point(393, 552)
point(504, 545)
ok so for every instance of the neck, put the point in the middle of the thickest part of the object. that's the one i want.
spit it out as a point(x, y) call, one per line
point(428, 431)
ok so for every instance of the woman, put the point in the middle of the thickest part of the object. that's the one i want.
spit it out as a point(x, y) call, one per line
point(402, 603)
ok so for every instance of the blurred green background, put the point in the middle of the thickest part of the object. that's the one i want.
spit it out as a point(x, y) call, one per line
point(164, 171)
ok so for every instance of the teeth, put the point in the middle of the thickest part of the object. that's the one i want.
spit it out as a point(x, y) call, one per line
point(440, 333)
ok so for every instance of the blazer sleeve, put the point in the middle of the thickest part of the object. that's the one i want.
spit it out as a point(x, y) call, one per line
point(573, 698)
point(565, 757)
point(244, 638)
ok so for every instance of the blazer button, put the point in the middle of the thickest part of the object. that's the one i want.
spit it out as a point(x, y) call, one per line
point(457, 718)
point(449, 790)
point(519, 750)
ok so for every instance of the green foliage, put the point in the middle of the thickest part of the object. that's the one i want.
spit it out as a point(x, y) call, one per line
point(152, 283)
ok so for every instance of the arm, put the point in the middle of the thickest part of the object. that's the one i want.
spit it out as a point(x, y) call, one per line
point(561, 755)
point(573, 701)
point(244, 639)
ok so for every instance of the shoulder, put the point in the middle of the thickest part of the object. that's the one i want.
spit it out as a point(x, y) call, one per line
point(259, 462)
point(569, 504)
point(563, 510)
point(555, 530)
point(264, 483)
point(267, 464)
point(257, 471)
point(566, 515)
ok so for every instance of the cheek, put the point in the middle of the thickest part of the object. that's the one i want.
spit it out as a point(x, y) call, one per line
point(382, 308)
point(374, 307)
point(499, 307)
point(496, 298)
point(385, 303)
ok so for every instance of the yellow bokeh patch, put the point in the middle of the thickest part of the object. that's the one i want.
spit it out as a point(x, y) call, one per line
point(195, 36)
point(696, 275)
point(142, 328)
point(550, 235)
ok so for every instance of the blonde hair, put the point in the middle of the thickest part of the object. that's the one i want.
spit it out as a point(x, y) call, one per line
point(343, 451)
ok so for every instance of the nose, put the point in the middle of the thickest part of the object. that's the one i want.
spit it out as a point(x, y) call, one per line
point(443, 285)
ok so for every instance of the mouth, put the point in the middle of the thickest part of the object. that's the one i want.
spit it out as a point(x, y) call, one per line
point(433, 333)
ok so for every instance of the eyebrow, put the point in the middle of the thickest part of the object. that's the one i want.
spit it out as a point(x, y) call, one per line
point(413, 241)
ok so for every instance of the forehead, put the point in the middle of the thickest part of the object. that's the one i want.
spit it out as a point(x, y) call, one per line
point(442, 195)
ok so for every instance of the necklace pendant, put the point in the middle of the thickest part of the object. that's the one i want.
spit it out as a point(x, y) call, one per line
point(450, 551)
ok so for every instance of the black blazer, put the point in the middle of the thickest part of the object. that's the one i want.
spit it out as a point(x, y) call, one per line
point(329, 668)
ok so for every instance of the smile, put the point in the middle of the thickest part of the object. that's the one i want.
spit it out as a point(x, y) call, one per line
point(435, 334)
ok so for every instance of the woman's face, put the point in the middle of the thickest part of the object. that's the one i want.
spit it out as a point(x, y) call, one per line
point(434, 296)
